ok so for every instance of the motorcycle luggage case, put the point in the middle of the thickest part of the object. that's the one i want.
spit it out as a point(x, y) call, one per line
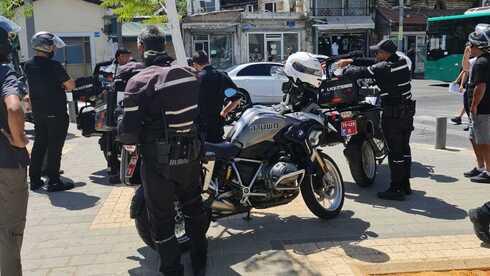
point(338, 91)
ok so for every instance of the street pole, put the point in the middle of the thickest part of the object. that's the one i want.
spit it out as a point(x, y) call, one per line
point(400, 25)
point(177, 41)
point(30, 28)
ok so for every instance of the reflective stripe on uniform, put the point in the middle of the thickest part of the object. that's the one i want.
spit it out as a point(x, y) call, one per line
point(174, 82)
point(181, 125)
point(165, 240)
point(384, 94)
point(403, 84)
point(399, 68)
point(406, 93)
point(177, 112)
point(130, 109)
point(370, 71)
point(398, 161)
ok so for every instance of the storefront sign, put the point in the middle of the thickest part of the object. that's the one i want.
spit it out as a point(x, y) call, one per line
point(97, 34)
point(291, 23)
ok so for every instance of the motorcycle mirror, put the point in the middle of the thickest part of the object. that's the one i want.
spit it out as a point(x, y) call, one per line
point(230, 92)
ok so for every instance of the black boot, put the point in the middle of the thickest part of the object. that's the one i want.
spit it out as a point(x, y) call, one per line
point(392, 194)
point(36, 184)
point(480, 224)
point(170, 254)
point(199, 243)
point(407, 187)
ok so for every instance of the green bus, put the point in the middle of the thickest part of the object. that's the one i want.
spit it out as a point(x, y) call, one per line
point(446, 39)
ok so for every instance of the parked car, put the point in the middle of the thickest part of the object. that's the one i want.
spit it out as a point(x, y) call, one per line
point(258, 81)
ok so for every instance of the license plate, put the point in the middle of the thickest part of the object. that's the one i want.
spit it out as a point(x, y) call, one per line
point(349, 128)
point(132, 166)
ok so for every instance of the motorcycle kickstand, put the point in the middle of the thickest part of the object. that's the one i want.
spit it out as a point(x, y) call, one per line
point(248, 218)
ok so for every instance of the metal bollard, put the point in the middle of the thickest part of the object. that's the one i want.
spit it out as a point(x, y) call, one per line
point(441, 132)
point(71, 112)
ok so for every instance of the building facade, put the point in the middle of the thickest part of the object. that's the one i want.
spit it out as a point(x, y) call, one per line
point(416, 13)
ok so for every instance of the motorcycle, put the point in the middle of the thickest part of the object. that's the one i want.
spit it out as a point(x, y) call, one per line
point(354, 111)
point(268, 159)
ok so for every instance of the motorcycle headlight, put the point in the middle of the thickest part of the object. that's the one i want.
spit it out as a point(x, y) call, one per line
point(314, 137)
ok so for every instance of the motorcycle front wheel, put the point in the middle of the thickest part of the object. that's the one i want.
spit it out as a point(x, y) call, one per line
point(323, 192)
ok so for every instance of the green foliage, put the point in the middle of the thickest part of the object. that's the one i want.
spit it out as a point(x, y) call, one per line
point(127, 10)
point(8, 8)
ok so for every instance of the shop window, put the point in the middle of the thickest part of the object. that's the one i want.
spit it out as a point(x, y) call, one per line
point(272, 47)
point(290, 44)
point(221, 52)
point(201, 43)
point(256, 47)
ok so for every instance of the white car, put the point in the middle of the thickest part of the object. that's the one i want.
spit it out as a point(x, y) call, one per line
point(258, 81)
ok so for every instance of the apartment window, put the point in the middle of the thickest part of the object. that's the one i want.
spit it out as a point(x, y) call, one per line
point(270, 7)
point(249, 8)
point(217, 46)
point(207, 5)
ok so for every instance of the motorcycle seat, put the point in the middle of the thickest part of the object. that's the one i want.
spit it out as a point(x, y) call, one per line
point(223, 151)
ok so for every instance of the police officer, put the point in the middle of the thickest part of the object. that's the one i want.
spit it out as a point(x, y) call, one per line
point(212, 97)
point(392, 75)
point(13, 160)
point(48, 81)
point(161, 114)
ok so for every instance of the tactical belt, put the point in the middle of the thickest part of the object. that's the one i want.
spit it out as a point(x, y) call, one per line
point(177, 150)
point(402, 110)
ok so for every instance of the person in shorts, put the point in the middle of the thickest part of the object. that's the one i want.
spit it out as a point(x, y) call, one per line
point(480, 101)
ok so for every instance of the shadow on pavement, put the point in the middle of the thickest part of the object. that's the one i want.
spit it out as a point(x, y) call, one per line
point(148, 261)
point(72, 200)
point(271, 241)
point(427, 171)
point(100, 177)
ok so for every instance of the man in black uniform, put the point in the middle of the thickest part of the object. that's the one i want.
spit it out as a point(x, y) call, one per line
point(13, 160)
point(161, 114)
point(212, 97)
point(393, 76)
point(48, 81)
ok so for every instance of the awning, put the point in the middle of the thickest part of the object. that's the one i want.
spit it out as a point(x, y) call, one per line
point(346, 23)
point(209, 26)
point(133, 29)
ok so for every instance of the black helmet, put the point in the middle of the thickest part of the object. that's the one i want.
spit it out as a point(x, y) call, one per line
point(46, 42)
point(481, 36)
point(7, 27)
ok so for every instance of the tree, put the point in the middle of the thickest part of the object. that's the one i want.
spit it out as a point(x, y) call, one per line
point(127, 10)
point(8, 8)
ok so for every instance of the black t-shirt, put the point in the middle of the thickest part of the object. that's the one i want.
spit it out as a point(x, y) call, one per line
point(480, 73)
point(212, 96)
point(10, 157)
point(46, 78)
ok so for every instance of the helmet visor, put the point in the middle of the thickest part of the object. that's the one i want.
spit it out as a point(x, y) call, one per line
point(58, 42)
point(8, 25)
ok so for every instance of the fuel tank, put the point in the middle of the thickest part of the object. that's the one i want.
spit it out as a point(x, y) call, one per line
point(257, 125)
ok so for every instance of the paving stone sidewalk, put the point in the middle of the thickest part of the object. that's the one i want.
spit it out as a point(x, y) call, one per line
point(87, 231)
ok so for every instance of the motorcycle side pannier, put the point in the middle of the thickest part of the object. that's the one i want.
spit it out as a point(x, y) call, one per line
point(337, 92)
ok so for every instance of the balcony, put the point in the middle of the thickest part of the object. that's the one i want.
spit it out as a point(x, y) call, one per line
point(363, 11)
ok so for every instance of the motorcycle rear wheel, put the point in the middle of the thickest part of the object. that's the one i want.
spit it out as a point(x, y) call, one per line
point(142, 223)
point(362, 161)
point(323, 193)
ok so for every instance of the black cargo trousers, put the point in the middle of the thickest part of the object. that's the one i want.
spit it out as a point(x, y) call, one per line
point(397, 123)
point(164, 183)
point(50, 134)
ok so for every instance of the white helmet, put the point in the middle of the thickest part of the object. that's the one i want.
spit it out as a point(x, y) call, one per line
point(304, 67)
